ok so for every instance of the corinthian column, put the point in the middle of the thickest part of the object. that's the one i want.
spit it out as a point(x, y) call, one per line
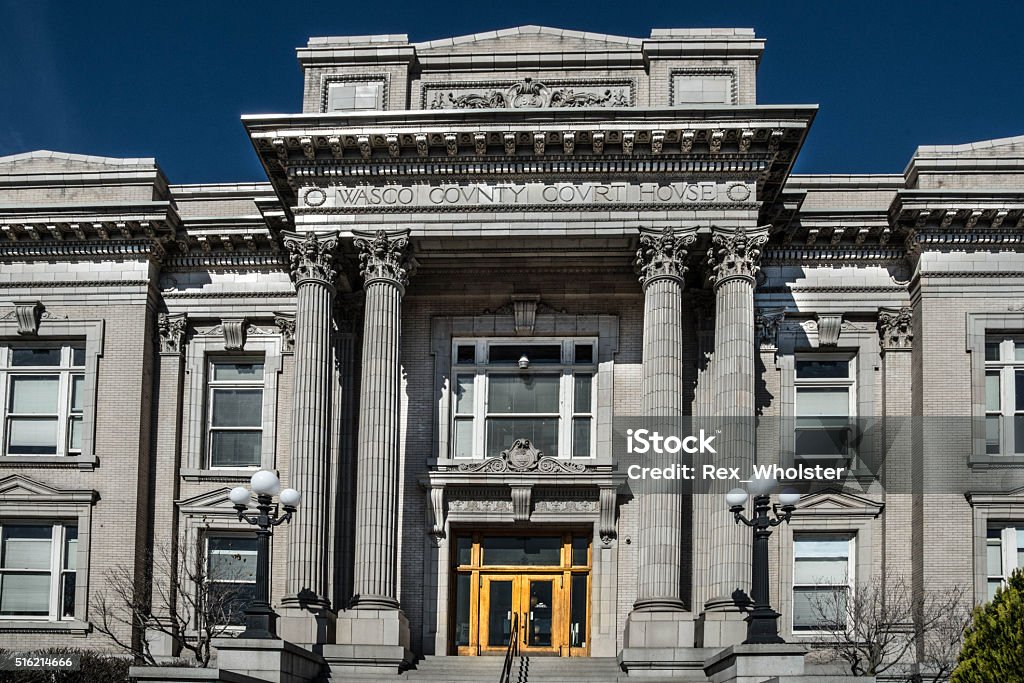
point(661, 265)
point(384, 267)
point(733, 262)
point(312, 260)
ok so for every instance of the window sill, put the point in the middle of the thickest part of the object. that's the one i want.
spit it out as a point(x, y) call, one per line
point(232, 475)
point(73, 627)
point(984, 462)
point(82, 462)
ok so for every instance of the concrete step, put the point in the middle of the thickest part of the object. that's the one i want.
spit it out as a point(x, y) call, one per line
point(530, 669)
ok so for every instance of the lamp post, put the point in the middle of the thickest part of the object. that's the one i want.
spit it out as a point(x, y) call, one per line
point(762, 622)
point(260, 618)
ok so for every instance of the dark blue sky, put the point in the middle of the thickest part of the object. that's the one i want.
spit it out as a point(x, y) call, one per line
point(170, 79)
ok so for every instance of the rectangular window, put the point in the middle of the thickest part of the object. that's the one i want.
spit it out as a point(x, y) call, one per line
point(231, 575)
point(235, 413)
point(43, 389)
point(822, 580)
point(37, 570)
point(540, 390)
point(1004, 395)
point(1004, 554)
point(825, 406)
point(353, 96)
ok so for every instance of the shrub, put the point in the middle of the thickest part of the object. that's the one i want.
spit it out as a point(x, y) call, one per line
point(96, 667)
point(993, 650)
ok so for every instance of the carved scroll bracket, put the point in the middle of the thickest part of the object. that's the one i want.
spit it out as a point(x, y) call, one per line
point(606, 523)
point(435, 514)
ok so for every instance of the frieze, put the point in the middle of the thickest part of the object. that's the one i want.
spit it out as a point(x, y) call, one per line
point(529, 94)
point(566, 506)
point(343, 197)
point(479, 505)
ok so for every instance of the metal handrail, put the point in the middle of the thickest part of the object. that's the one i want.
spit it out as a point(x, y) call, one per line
point(511, 650)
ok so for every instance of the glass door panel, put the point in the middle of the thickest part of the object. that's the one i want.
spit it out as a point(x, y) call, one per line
point(540, 613)
point(497, 602)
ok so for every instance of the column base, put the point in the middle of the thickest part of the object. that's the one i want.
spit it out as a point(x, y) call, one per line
point(369, 641)
point(756, 664)
point(276, 661)
point(658, 628)
point(721, 628)
point(306, 624)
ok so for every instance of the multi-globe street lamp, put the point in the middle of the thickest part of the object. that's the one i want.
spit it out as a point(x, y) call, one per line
point(762, 621)
point(260, 618)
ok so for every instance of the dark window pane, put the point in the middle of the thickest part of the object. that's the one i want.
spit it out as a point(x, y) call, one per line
point(538, 633)
point(499, 619)
point(235, 448)
point(466, 354)
point(823, 442)
point(523, 393)
point(464, 550)
point(238, 372)
point(823, 369)
point(24, 358)
point(581, 437)
point(1018, 434)
point(78, 356)
point(584, 353)
point(67, 594)
point(462, 597)
point(992, 350)
point(992, 423)
point(578, 614)
point(1018, 389)
point(509, 354)
point(237, 407)
point(503, 432)
point(582, 389)
point(580, 545)
point(523, 550)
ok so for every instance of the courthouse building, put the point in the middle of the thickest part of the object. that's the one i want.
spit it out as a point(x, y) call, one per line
point(468, 256)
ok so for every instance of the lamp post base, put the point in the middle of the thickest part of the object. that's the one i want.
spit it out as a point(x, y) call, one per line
point(762, 627)
point(260, 623)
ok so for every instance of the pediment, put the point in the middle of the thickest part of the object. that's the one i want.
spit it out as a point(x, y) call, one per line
point(46, 161)
point(529, 39)
point(17, 487)
point(211, 501)
point(839, 503)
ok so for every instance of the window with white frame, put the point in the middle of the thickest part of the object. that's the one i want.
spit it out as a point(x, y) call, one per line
point(44, 391)
point(826, 405)
point(234, 419)
point(353, 96)
point(1004, 395)
point(542, 390)
point(822, 580)
point(37, 570)
point(231, 574)
point(1004, 554)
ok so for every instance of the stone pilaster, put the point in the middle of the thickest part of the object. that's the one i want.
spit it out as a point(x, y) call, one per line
point(306, 616)
point(661, 264)
point(733, 261)
point(375, 632)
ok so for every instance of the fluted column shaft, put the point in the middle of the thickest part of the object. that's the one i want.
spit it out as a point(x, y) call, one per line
point(312, 266)
point(734, 261)
point(378, 456)
point(661, 260)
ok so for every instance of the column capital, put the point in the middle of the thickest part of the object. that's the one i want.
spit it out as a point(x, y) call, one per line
point(384, 257)
point(312, 257)
point(896, 328)
point(663, 255)
point(735, 253)
point(171, 331)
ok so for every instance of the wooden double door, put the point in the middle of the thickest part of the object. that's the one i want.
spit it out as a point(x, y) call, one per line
point(536, 588)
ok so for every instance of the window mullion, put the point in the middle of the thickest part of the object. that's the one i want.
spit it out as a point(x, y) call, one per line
point(480, 412)
point(56, 545)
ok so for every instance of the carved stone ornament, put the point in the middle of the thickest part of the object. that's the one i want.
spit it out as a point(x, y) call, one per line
point(234, 330)
point(286, 323)
point(531, 94)
point(896, 327)
point(829, 329)
point(171, 332)
point(736, 254)
point(312, 257)
point(479, 505)
point(28, 314)
point(524, 307)
point(384, 257)
point(663, 256)
point(522, 456)
point(768, 322)
point(606, 525)
point(435, 513)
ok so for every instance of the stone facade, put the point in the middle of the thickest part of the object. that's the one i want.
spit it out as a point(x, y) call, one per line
point(512, 187)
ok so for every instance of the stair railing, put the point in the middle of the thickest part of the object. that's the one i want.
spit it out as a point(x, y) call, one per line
point(511, 650)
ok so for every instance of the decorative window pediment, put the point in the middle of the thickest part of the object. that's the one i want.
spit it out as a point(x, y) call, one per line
point(18, 488)
point(832, 502)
